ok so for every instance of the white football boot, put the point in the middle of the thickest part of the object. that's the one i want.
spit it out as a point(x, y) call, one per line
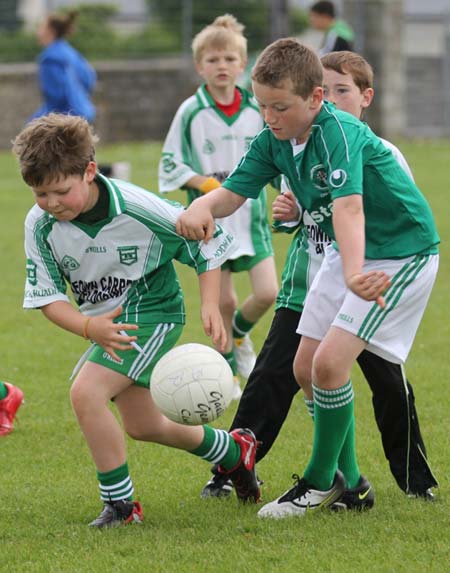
point(244, 354)
point(302, 498)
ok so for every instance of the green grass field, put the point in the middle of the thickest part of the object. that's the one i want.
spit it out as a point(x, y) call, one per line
point(47, 481)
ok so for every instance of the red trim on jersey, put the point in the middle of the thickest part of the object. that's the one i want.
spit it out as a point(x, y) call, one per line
point(231, 108)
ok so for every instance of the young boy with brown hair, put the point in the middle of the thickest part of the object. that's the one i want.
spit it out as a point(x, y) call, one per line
point(376, 278)
point(209, 133)
point(114, 244)
point(268, 394)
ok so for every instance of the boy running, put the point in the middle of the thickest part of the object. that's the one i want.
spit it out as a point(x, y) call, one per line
point(375, 281)
point(209, 134)
point(268, 394)
point(113, 243)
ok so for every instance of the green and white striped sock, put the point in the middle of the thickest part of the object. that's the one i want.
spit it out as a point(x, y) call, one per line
point(218, 447)
point(115, 484)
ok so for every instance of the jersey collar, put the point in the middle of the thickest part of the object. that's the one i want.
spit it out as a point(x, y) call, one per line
point(116, 202)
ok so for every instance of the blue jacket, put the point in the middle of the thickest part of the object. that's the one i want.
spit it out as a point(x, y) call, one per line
point(66, 80)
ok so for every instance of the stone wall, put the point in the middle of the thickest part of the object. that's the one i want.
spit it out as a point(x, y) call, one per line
point(135, 100)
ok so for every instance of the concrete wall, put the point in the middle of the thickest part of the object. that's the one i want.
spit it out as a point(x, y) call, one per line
point(135, 100)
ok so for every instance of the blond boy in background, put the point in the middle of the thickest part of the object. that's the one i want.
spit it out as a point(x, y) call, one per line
point(209, 134)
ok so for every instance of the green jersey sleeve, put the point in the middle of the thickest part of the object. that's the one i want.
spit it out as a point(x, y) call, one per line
point(255, 169)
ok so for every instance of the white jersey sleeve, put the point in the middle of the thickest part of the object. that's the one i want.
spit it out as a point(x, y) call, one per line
point(174, 167)
point(44, 280)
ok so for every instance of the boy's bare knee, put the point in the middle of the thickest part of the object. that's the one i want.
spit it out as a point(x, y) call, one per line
point(265, 298)
point(302, 374)
point(323, 370)
point(228, 305)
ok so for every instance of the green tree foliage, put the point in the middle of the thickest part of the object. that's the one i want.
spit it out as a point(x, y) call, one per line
point(254, 14)
point(169, 29)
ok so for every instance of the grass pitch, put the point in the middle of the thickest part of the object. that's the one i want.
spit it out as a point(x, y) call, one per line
point(48, 485)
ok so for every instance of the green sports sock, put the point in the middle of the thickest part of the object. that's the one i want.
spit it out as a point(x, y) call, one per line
point(229, 357)
point(241, 326)
point(347, 458)
point(333, 413)
point(3, 391)
point(347, 463)
point(115, 484)
point(218, 447)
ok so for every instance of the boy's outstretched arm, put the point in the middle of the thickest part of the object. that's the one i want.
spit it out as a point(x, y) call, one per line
point(100, 329)
point(348, 225)
point(197, 221)
point(209, 282)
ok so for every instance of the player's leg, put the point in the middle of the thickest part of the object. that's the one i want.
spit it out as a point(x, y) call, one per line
point(356, 484)
point(264, 283)
point(91, 393)
point(398, 422)
point(268, 394)
point(271, 386)
point(322, 484)
point(331, 392)
point(234, 452)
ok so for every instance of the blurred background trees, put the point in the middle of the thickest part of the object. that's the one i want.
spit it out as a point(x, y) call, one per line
point(168, 28)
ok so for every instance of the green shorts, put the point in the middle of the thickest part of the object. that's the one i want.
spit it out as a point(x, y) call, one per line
point(155, 339)
point(245, 263)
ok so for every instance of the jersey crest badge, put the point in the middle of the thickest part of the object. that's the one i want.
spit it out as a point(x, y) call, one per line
point(208, 147)
point(318, 176)
point(128, 255)
point(69, 263)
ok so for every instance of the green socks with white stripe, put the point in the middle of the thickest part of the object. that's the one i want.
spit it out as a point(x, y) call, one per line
point(218, 447)
point(333, 422)
point(115, 484)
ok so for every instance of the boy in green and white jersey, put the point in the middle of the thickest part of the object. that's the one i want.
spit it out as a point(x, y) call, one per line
point(114, 244)
point(357, 193)
point(209, 134)
point(348, 83)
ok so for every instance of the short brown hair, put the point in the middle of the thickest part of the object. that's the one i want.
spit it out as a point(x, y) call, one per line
point(224, 33)
point(346, 62)
point(54, 146)
point(287, 59)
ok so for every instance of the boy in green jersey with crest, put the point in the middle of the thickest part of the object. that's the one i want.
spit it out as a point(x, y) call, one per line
point(373, 286)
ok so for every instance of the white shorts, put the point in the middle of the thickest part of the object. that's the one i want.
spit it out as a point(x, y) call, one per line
point(389, 332)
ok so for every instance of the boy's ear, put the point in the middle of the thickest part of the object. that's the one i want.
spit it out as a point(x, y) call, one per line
point(367, 94)
point(316, 96)
point(91, 171)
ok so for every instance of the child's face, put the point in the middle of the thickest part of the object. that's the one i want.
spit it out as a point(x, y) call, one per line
point(220, 68)
point(67, 197)
point(287, 114)
point(341, 90)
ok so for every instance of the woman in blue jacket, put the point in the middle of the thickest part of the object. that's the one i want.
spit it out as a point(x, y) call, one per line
point(66, 79)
